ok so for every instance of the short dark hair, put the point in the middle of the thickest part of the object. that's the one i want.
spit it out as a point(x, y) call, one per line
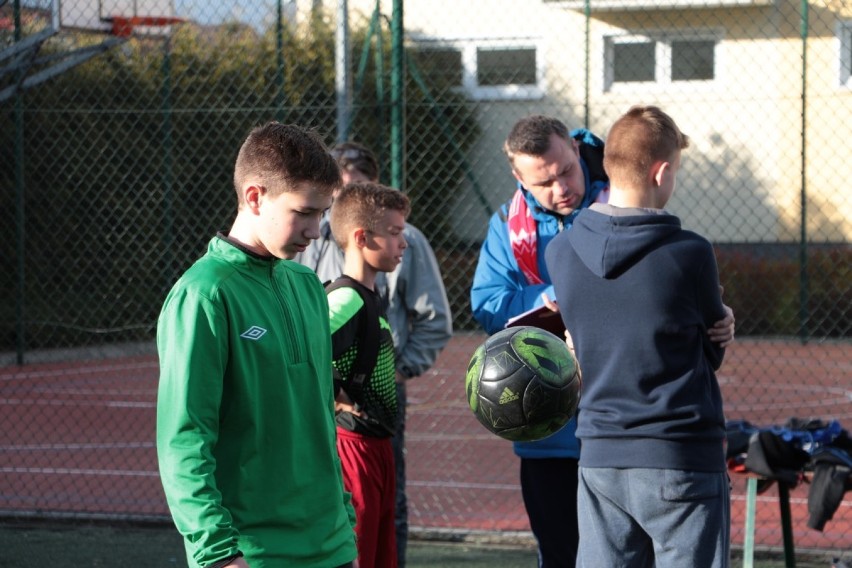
point(280, 156)
point(360, 205)
point(354, 156)
point(531, 136)
point(642, 136)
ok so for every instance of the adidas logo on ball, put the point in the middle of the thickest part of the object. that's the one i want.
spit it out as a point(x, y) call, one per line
point(508, 396)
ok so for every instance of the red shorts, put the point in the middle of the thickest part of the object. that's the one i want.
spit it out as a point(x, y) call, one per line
point(369, 475)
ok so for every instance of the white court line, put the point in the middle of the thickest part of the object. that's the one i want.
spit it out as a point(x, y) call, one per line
point(466, 485)
point(774, 499)
point(75, 471)
point(512, 487)
point(774, 387)
point(76, 391)
point(438, 437)
point(730, 406)
point(61, 447)
point(64, 372)
point(98, 403)
point(771, 499)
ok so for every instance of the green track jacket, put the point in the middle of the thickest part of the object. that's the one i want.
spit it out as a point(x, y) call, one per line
point(245, 414)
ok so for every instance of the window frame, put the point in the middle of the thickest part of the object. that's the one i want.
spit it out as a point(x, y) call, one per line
point(469, 47)
point(662, 40)
point(637, 5)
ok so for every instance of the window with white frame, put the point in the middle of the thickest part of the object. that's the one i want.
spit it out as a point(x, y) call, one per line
point(660, 59)
point(441, 63)
point(844, 37)
point(485, 69)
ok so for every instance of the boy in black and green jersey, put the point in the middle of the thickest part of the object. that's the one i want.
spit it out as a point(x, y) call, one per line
point(245, 408)
point(367, 220)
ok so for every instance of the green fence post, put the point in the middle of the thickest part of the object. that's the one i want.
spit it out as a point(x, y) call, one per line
point(20, 340)
point(751, 505)
point(397, 98)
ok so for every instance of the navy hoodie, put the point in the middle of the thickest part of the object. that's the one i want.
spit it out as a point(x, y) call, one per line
point(638, 294)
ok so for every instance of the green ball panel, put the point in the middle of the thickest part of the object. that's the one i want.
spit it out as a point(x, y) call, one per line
point(471, 379)
point(546, 353)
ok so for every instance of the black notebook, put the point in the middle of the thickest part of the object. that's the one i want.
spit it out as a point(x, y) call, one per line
point(541, 317)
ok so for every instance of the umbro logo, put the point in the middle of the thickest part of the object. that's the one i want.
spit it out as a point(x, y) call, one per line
point(254, 333)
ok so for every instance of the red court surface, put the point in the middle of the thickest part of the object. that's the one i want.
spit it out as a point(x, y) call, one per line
point(77, 438)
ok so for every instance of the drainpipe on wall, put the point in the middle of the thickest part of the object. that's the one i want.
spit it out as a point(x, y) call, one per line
point(587, 10)
point(279, 63)
point(803, 198)
point(343, 77)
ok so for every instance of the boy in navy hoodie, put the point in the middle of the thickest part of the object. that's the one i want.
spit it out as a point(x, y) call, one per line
point(653, 488)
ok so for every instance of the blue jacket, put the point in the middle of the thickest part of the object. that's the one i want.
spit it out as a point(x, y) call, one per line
point(500, 290)
point(650, 395)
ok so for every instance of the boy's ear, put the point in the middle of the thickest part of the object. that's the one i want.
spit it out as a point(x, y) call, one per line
point(659, 171)
point(359, 237)
point(252, 196)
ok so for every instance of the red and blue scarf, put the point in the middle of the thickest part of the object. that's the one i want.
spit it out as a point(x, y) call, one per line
point(523, 236)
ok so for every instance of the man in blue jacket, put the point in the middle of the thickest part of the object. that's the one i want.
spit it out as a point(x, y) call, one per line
point(558, 173)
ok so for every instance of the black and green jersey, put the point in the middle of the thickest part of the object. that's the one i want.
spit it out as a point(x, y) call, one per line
point(347, 310)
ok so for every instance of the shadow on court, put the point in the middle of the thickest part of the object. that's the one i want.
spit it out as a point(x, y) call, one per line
point(59, 544)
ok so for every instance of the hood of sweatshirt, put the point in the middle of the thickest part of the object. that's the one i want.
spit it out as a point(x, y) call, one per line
point(609, 240)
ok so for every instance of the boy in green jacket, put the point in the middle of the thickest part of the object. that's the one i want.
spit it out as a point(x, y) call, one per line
point(245, 409)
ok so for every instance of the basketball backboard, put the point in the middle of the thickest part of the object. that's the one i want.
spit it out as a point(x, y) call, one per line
point(100, 15)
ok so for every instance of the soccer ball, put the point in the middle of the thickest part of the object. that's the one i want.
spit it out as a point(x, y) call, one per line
point(523, 384)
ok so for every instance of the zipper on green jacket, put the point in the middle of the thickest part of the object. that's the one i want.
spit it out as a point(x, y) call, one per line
point(294, 342)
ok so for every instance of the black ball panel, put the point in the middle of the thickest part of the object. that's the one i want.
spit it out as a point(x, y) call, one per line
point(523, 395)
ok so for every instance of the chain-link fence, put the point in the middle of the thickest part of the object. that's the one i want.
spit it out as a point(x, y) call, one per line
point(120, 123)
